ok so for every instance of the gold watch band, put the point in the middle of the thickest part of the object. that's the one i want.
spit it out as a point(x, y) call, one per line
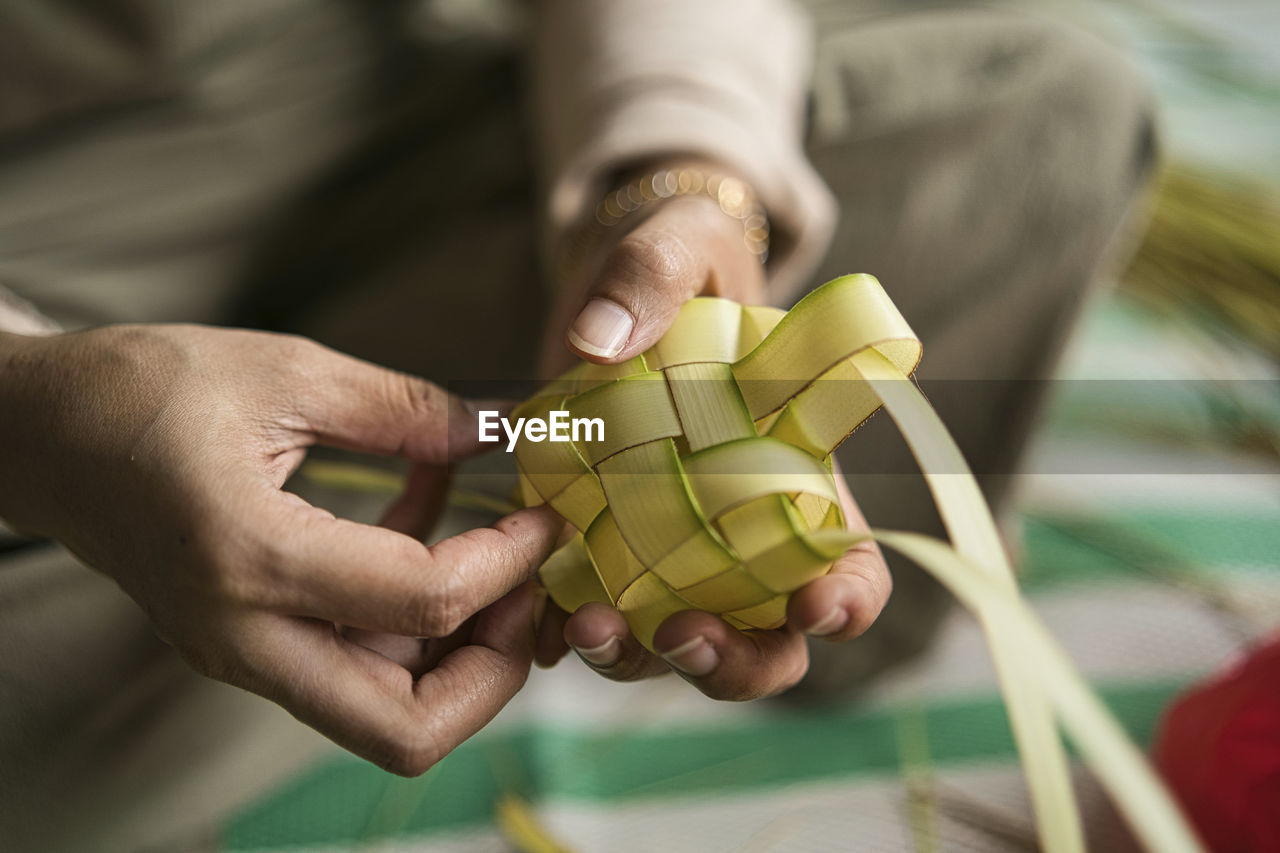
point(735, 198)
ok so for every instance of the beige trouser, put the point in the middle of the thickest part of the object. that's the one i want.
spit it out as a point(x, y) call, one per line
point(984, 163)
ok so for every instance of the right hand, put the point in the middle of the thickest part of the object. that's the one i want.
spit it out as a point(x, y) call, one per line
point(157, 454)
point(625, 294)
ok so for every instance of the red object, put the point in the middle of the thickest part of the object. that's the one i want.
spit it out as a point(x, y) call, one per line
point(1219, 749)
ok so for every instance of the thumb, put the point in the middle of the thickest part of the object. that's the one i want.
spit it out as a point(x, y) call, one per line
point(687, 247)
point(359, 406)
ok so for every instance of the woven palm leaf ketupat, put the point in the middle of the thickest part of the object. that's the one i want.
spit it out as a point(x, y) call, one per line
point(712, 489)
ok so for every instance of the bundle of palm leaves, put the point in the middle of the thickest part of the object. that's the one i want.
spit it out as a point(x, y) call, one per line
point(1213, 247)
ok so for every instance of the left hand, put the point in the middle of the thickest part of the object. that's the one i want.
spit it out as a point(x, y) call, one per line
point(623, 296)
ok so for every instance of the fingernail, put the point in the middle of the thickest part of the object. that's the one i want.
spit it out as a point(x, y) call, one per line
point(829, 624)
point(605, 654)
point(602, 328)
point(696, 657)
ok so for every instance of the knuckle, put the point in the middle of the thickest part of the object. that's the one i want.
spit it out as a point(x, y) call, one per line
point(422, 406)
point(876, 587)
point(425, 401)
point(297, 363)
point(299, 347)
point(228, 579)
point(443, 611)
point(297, 355)
point(658, 255)
point(883, 583)
point(242, 574)
point(506, 670)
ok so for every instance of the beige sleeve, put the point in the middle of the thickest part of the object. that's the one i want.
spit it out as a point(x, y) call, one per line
point(619, 81)
point(18, 316)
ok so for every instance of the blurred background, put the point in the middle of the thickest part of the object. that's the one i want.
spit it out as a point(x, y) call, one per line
point(1150, 580)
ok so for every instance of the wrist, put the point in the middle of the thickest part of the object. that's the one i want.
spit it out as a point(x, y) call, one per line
point(637, 191)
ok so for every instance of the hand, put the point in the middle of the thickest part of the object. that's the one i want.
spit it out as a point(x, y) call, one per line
point(157, 455)
point(625, 297)
point(624, 292)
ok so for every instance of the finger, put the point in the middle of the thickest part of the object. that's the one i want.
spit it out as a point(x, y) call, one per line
point(551, 646)
point(725, 663)
point(374, 707)
point(380, 580)
point(408, 652)
point(414, 654)
point(357, 405)
point(845, 602)
point(417, 656)
point(687, 247)
point(601, 638)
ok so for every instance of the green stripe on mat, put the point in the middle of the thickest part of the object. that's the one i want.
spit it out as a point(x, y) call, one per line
point(345, 801)
point(1140, 409)
point(1076, 550)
